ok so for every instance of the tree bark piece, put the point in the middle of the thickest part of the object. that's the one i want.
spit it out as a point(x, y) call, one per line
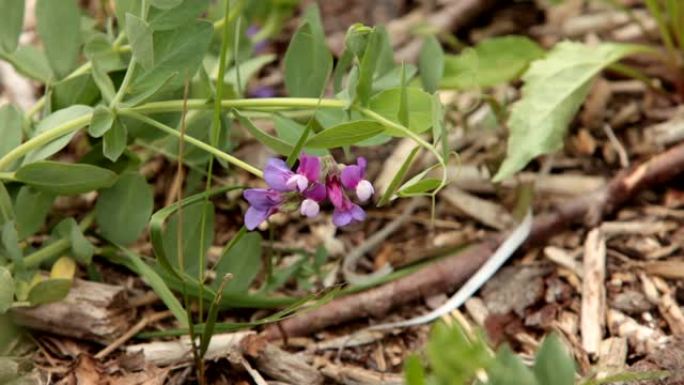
point(592, 323)
point(91, 311)
point(179, 351)
point(287, 367)
point(446, 274)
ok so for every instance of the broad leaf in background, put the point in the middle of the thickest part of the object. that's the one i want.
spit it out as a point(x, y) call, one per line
point(414, 373)
point(243, 261)
point(499, 60)
point(553, 365)
point(346, 134)
point(11, 21)
point(276, 144)
point(6, 290)
point(6, 209)
point(555, 88)
point(308, 63)
point(31, 208)
point(52, 122)
point(508, 369)
point(65, 178)
point(59, 27)
point(431, 64)
point(30, 61)
point(248, 70)
point(101, 51)
point(387, 103)
point(140, 36)
point(10, 242)
point(75, 90)
point(177, 52)
point(10, 128)
point(290, 131)
point(122, 7)
point(123, 210)
point(165, 4)
point(185, 12)
point(192, 217)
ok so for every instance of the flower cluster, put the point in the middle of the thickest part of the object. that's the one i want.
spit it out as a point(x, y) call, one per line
point(307, 188)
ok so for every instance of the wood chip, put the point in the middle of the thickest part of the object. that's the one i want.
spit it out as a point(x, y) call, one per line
point(612, 356)
point(565, 259)
point(641, 338)
point(593, 291)
point(483, 211)
point(673, 269)
point(350, 375)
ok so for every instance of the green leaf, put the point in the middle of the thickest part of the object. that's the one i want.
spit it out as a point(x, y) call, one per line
point(122, 7)
point(10, 128)
point(346, 134)
point(420, 187)
point(49, 290)
point(103, 82)
point(6, 290)
point(59, 27)
point(308, 63)
point(398, 177)
point(192, 216)
point(403, 113)
point(508, 369)
point(99, 49)
point(290, 131)
point(147, 93)
point(158, 285)
point(178, 51)
point(114, 141)
point(387, 103)
point(413, 371)
point(10, 242)
point(11, 22)
point(431, 64)
point(248, 70)
point(553, 365)
point(140, 36)
point(276, 144)
point(65, 178)
point(6, 209)
point(81, 248)
point(31, 208)
point(369, 61)
point(493, 61)
point(30, 61)
point(186, 12)
point(243, 261)
point(52, 122)
point(102, 121)
point(123, 210)
point(555, 88)
point(165, 4)
point(75, 90)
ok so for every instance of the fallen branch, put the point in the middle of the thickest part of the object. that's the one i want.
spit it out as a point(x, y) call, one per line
point(448, 273)
point(91, 311)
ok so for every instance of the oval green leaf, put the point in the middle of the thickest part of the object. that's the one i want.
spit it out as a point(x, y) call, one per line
point(123, 210)
point(387, 103)
point(346, 134)
point(65, 178)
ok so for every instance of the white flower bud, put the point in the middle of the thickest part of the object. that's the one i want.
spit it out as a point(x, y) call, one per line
point(299, 181)
point(309, 208)
point(364, 190)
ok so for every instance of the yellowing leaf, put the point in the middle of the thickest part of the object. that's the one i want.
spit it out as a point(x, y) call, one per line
point(65, 268)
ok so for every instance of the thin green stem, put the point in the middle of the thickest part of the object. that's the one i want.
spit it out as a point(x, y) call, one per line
point(262, 103)
point(124, 84)
point(36, 258)
point(195, 142)
point(43, 139)
point(8, 176)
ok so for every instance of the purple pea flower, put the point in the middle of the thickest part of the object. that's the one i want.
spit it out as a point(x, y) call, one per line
point(280, 178)
point(346, 212)
point(353, 179)
point(313, 196)
point(263, 203)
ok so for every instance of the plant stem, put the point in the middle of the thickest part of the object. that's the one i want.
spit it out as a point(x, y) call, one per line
point(203, 104)
point(43, 139)
point(36, 258)
point(195, 142)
